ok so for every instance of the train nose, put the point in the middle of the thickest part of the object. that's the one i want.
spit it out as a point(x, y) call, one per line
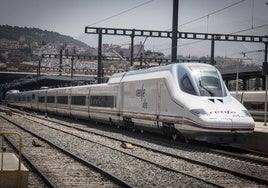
point(243, 124)
point(234, 124)
point(219, 123)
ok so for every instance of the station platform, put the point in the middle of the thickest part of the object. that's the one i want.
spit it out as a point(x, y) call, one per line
point(257, 141)
point(260, 127)
point(9, 172)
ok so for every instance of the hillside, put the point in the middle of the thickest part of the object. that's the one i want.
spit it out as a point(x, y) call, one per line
point(31, 35)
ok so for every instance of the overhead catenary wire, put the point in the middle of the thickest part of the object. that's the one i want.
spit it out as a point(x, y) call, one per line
point(115, 15)
point(205, 16)
point(251, 28)
point(217, 11)
point(214, 12)
point(120, 13)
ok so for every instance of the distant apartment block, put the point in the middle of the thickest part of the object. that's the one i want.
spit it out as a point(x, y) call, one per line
point(111, 50)
point(6, 44)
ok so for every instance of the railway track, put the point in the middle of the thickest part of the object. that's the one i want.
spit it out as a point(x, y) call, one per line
point(164, 171)
point(58, 167)
point(240, 154)
point(255, 157)
point(35, 179)
point(165, 154)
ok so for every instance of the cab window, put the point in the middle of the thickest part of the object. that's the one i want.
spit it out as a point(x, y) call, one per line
point(187, 86)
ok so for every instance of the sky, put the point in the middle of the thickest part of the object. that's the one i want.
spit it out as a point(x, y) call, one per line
point(70, 17)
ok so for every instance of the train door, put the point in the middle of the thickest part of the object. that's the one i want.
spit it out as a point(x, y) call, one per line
point(160, 108)
point(120, 101)
point(158, 101)
point(169, 114)
point(46, 110)
point(56, 101)
point(70, 101)
point(32, 100)
point(69, 92)
point(88, 100)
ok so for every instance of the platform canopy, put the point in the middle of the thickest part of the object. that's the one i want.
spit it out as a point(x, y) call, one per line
point(31, 82)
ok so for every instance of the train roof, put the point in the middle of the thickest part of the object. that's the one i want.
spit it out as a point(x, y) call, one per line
point(116, 78)
point(12, 91)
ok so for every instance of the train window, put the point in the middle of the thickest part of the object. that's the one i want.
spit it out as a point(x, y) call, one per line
point(78, 100)
point(187, 86)
point(33, 96)
point(28, 99)
point(41, 99)
point(23, 98)
point(209, 83)
point(258, 106)
point(62, 99)
point(103, 101)
point(50, 99)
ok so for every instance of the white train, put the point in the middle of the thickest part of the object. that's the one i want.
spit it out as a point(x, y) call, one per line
point(186, 99)
point(254, 101)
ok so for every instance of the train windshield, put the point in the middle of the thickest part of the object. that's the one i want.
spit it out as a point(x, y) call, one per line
point(203, 81)
point(209, 83)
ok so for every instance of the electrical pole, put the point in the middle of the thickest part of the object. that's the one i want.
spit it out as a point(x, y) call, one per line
point(174, 43)
point(132, 48)
point(265, 73)
point(60, 71)
point(100, 67)
point(212, 50)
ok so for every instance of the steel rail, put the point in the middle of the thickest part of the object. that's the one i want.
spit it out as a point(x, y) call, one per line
point(135, 156)
point(132, 155)
point(238, 174)
point(240, 156)
point(44, 178)
point(216, 151)
point(89, 164)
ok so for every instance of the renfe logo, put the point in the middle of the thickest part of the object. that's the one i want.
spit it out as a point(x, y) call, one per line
point(140, 92)
point(223, 112)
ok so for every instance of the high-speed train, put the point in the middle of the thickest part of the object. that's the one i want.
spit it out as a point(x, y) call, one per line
point(185, 99)
point(254, 101)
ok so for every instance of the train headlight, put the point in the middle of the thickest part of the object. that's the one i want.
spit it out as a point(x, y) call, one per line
point(247, 114)
point(199, 112)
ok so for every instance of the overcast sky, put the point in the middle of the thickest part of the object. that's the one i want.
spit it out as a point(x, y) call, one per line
point(69, 17)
